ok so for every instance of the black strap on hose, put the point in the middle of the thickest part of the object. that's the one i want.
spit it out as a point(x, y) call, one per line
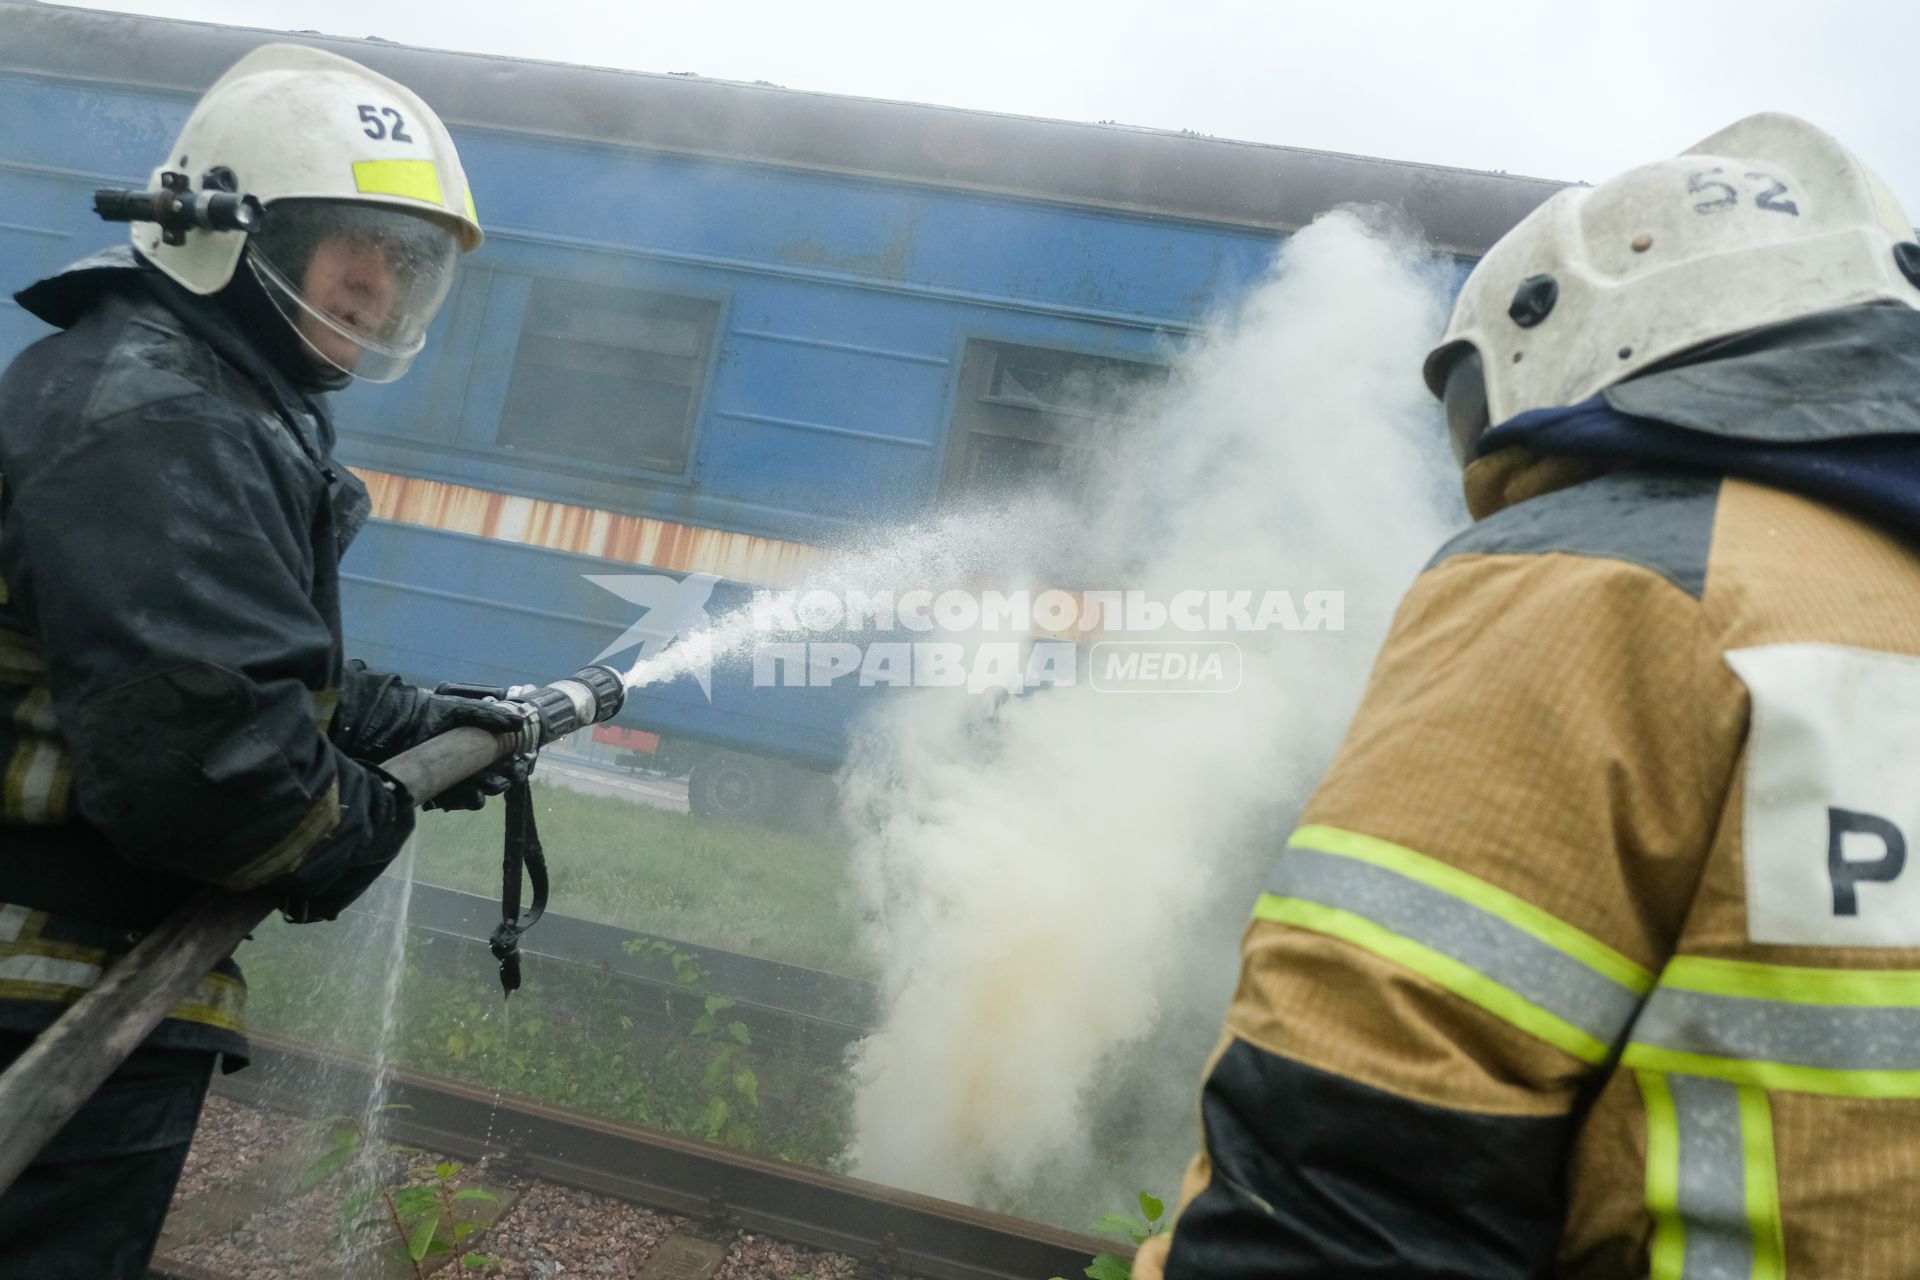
point(522, 849)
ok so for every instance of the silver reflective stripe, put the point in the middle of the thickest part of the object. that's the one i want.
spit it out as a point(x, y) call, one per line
point(59, 973)
point(1835, 1037)
point(37, 776)
point(1713, 1180)
point(1478, 939)
point(13, 918)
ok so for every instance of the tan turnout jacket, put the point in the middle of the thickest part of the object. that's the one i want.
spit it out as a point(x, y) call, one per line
point(1597, 953)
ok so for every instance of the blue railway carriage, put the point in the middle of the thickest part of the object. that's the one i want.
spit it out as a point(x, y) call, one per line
point(715, 328)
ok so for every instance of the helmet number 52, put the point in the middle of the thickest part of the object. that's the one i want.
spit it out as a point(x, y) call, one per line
point(377, 128)
point(1702, 182)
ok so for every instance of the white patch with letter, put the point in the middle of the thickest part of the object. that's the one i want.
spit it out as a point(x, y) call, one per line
point(1832, 822)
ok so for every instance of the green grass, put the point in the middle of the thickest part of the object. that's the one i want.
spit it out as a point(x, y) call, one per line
point(577, 1037)
point(781, 895)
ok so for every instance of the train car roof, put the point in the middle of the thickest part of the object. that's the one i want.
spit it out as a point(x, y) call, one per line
point(1150, 172)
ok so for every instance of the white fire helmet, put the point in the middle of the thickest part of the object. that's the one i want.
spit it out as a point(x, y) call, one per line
point(366, 204)
point(1765, 221)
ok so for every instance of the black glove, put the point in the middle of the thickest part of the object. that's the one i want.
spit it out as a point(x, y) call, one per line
point(493, 780)
point(379, 716)
point(321, 892)
point(496, 778)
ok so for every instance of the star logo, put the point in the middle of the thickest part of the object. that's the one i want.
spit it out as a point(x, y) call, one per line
point(670, 608)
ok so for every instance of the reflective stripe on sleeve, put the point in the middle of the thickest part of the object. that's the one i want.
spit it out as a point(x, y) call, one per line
point(320, 820)
point(1712, 1184)
point(1838, 1032)
point(1469, 937)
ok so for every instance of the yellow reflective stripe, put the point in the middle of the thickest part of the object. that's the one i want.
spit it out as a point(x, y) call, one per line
point(1763, 1186)
point(13, 790)
point(1516, 911)
point(48, 992)
point(38, 777)
point(1780, 1077)
point(22, 933)
point(30, 927)
point(47, 970)
point(413, 179)
point(59, 788)
point(220, 1001)
point(1439, 968)
point(37, 946)
point(211, 1005)
point(1668, 1253)
point(325, 703)
point(471, 217)
point(1859, 988)
point(286, 853)
point(20, 660)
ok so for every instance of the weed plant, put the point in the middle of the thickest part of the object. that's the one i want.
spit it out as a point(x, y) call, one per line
point(1119, 1266)
point(419, 1217)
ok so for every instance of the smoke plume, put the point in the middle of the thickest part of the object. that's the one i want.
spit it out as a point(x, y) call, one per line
point(1055, 885)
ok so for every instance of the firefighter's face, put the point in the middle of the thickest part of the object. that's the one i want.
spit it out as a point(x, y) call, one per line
point(352, 282)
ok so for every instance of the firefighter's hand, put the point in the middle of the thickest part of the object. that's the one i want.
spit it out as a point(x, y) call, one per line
point(379, 715)
point(441, 712)
point(491, 781)
point(449, 699)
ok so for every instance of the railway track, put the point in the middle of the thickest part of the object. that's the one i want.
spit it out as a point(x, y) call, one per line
point(890, 1232)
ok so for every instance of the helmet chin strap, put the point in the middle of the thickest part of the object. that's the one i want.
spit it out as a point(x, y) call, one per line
point(276, 337)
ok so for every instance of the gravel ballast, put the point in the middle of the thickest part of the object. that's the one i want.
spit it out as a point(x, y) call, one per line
point(549, 1232)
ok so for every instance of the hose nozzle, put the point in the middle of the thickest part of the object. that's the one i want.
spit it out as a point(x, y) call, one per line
point(587, 697)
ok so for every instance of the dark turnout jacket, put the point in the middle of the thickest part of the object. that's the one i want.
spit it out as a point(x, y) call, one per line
point(1597, 954)
point(171, 524)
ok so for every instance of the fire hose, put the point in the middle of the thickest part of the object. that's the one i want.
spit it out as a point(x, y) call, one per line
point(48, 1083)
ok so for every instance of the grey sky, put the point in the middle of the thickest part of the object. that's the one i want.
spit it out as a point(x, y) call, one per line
point(1555, 90)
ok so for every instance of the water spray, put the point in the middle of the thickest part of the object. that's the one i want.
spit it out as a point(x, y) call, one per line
point(68, 1061)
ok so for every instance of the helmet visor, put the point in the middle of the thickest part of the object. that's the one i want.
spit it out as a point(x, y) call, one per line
point(358, 282)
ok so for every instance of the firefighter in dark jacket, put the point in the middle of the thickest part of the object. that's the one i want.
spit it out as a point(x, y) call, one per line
point(1597, 955)
point(175, 708)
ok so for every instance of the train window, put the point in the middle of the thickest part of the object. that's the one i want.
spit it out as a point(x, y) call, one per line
point(1035, 417)
point(608, 376)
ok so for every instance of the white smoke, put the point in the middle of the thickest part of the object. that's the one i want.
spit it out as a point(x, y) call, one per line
point(1056, 887)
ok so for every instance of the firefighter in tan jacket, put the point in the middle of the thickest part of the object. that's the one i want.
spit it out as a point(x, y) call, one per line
point(1597, 954)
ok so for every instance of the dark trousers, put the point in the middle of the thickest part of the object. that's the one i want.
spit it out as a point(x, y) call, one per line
point(90, 1207)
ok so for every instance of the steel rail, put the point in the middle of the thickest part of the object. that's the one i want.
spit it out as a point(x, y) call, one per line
point(897, 1232)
